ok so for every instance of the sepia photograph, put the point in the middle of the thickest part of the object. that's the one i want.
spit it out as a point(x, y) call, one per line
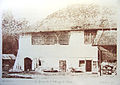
point(59, 42)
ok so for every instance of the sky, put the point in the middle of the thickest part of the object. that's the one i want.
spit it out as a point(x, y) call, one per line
point(36, 10)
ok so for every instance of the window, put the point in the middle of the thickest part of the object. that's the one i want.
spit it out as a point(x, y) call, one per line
point(44, 39)
point(89, 36)
point(50, 38)
point(95, 64)
point(39, 62)
point(64, 38)
point(81, 63)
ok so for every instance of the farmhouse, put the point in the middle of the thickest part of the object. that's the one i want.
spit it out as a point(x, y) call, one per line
point(63, 42)
point(60, 50)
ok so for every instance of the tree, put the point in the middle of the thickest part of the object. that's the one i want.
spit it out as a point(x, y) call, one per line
point(11, 27)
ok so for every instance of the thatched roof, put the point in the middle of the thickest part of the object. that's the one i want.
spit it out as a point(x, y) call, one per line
point(106, 38)
point(8, 56)
point(82, 16)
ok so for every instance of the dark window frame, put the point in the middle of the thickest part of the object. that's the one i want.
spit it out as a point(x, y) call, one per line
point(81, 62)
point(89, 36)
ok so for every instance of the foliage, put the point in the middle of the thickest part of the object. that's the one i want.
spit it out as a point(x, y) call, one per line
point(11, 27)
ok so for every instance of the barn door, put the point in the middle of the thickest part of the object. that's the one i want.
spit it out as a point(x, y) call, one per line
point(88, 66)
point(62, 65)
point(27, 64)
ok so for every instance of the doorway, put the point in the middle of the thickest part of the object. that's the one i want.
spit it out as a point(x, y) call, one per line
point(62, 65)
point(27, 64)
point(88, 65)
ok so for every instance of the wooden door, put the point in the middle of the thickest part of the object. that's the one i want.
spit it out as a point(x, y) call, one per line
point(88, 65)
point(27, 64)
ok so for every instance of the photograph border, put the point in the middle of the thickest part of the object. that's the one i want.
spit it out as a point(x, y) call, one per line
point(0, 42)
point(118, 44)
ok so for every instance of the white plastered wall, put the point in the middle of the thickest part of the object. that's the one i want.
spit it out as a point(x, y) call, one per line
point(51, 54)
